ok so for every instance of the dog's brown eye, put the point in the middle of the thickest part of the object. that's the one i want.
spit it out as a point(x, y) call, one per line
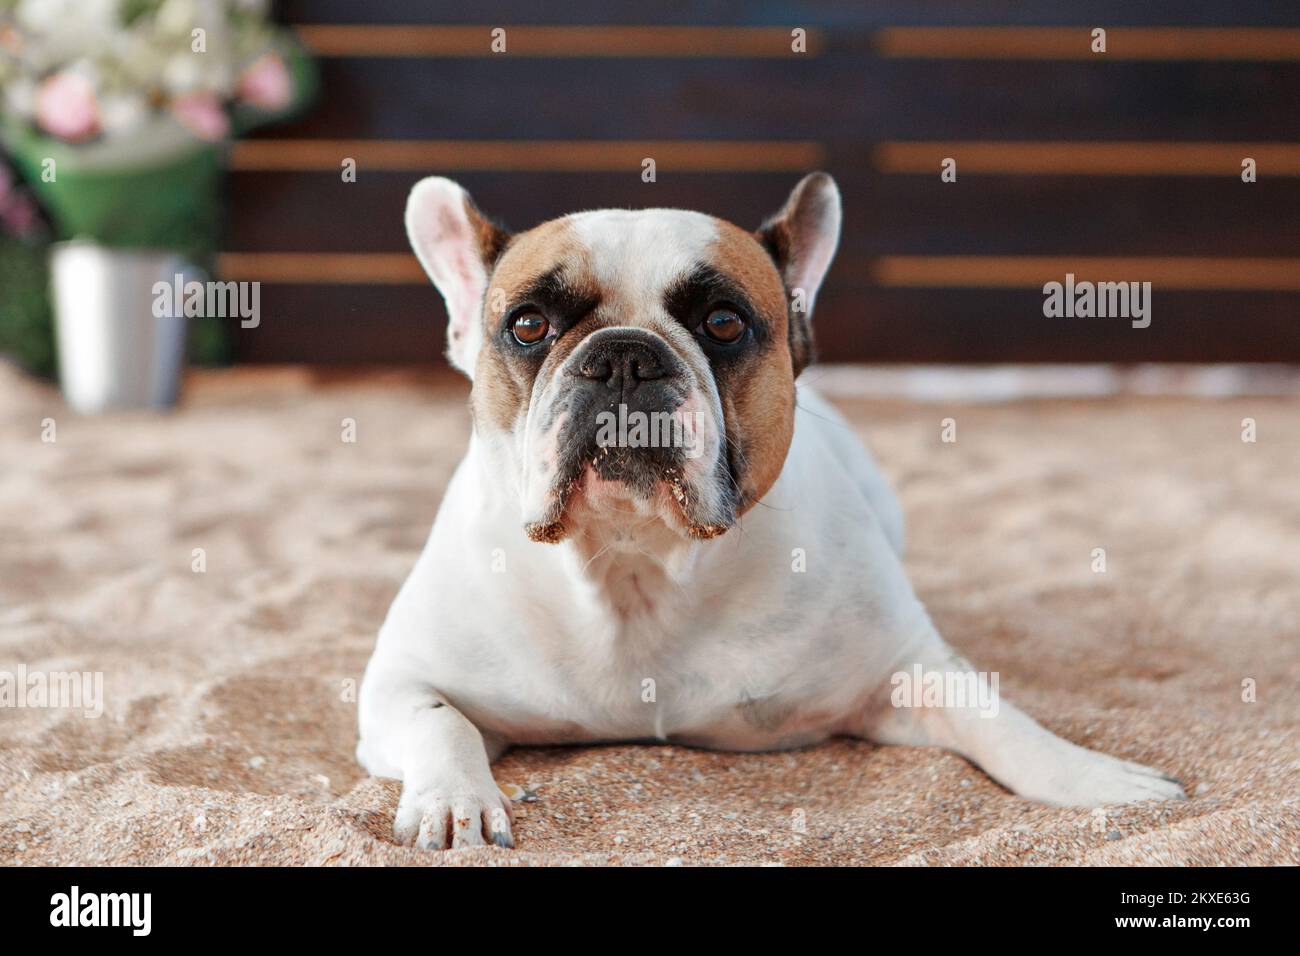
point(724, 326)
point(530, 328)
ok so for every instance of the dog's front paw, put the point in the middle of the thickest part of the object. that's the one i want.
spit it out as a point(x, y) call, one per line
point(455, 813)
point(1092, 779)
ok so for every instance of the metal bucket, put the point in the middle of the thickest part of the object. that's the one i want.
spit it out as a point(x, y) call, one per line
point(114, 352)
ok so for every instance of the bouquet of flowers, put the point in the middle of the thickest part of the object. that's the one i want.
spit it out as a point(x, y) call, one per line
point(117, 112)
point(116, 109)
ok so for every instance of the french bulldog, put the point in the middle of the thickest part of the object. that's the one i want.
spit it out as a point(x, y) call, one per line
point(735, 584)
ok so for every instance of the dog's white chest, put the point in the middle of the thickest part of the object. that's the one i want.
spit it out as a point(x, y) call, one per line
point(723, 664)
point(635, 679)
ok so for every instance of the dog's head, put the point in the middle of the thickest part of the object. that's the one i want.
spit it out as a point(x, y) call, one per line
point(637, 361)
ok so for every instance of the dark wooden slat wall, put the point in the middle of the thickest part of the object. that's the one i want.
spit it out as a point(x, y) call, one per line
point(848, 99)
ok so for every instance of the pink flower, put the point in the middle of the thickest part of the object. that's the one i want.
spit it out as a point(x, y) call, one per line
point(202, 115)
point(66, 107)
point(17, 214)
point(266, 84)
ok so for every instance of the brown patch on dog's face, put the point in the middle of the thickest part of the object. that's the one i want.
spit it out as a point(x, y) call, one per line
point(756, 387)
point(545, 262)
point(778, 243)
point(489, 238)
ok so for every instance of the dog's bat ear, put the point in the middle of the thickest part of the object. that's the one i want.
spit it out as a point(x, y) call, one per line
point(458, 246)
point(801, 239)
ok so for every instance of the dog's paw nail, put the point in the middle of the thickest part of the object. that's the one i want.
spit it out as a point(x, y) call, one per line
point(452, 816)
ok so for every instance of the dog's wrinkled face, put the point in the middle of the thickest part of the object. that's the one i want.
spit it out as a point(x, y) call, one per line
point(636, 364)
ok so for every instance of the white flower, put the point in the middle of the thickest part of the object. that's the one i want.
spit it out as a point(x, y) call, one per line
point(58, 31)
point(122, 112)
point(183, 72)
point(20, 97)
point(178, 17)
point(55, 16)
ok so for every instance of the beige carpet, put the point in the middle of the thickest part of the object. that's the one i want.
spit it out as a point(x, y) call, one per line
point(228, 721)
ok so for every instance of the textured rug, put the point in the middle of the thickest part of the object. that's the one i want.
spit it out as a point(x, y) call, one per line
point(225, 568)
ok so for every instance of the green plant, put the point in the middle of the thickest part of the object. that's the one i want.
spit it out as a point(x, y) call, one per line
point(26, 326)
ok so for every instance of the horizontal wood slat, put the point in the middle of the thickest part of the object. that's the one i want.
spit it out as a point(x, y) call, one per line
point(327, 268)
point(559, 156)
point(1250, 44)
point(406, 40)
point(1193, 272)
point(1075, 43)
point(1132, 158)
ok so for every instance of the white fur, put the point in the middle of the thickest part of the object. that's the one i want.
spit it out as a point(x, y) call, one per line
point(439, 230)
point(636, 254)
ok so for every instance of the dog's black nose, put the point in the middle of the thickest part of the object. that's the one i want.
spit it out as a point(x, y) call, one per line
point(624, 359)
